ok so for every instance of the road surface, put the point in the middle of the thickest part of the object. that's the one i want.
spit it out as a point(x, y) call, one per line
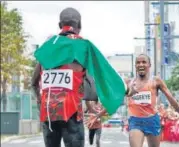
point(111, 137)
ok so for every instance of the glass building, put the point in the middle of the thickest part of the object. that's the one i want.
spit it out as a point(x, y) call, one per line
point(171, 28)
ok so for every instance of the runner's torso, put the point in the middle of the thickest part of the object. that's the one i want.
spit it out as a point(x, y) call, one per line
point(143, 104)
point(66, 91)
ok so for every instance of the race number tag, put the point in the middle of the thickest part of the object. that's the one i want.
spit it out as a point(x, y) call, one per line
point(142, 97)
point(57, 78)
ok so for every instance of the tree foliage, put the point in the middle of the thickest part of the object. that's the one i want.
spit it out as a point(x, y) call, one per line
point(173, 82)
point(13, 43)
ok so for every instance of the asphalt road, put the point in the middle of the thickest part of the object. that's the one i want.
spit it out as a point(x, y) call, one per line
point(111, 137)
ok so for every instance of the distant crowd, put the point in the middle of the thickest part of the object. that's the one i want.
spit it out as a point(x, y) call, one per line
point(170, 123)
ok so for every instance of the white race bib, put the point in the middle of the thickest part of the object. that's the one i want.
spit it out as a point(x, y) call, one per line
point(57, 78)
point(144, 97)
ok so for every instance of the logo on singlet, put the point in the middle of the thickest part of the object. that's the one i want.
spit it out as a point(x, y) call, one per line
point(142, 97)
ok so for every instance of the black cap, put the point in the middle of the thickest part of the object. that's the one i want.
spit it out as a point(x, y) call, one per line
point(71, 17)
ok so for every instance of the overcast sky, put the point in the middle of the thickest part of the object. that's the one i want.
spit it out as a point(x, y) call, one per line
point(111, 26)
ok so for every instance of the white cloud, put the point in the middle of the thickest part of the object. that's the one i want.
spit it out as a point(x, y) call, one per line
point(110, 25)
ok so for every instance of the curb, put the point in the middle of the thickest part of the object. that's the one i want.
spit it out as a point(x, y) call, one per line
point(19, 137)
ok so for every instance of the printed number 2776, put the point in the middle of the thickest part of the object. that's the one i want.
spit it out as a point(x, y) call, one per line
point(54, 75)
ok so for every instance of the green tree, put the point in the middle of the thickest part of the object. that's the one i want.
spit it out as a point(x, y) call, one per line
point(13, 43)
point(173, 82)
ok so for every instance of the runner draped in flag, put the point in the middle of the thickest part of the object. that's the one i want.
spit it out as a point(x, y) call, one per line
point(64, 60)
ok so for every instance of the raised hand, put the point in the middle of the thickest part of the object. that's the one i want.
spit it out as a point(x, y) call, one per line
point(132, 90)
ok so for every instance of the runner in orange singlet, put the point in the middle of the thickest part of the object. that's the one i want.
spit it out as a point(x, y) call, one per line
point(142, 93)
point(142, 106)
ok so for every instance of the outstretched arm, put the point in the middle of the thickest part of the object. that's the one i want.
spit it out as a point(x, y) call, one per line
point(90, 123)
point(163, 87)
point(130, 91)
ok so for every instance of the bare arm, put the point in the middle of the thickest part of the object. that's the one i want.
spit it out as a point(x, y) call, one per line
point(101, 113)
point(35, 83)
point(89, 107)
point(163, 87)
point(127, 81)
point(98, 115)
point(130, 88)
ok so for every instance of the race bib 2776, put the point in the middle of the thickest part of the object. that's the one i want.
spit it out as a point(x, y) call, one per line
point(142, 97)
point(57, 78)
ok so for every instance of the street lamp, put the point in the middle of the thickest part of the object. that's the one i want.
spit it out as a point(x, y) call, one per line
point(155, 51)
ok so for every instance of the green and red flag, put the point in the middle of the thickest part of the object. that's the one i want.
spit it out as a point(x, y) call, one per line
point(61, 50)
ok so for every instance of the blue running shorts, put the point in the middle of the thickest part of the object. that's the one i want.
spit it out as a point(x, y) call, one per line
point(148, 125)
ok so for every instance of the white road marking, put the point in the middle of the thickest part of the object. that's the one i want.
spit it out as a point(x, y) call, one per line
point(35, 142)
point(123, 142)
point(106, 142)
point(18, 141)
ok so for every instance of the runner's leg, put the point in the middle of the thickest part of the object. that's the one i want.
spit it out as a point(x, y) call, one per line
point(136, 138)
point(52, 139)
point(98, 136)
point(73, 133)
point(91, 135)
point(136, 135)
point(153, 141)
point(154, 128)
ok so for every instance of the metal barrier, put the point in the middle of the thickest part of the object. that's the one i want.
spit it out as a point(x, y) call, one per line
point(10, 122)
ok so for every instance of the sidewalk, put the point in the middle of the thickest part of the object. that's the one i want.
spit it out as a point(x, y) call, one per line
point(6, 138)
